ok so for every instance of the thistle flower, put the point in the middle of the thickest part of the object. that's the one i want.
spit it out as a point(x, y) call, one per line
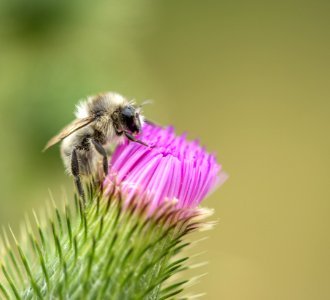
point(170, 168)
point(125, 243)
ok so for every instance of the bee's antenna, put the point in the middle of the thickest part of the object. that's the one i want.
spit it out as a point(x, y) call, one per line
point(146, 102)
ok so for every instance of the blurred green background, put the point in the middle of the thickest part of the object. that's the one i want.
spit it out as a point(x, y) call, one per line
point(251, 79)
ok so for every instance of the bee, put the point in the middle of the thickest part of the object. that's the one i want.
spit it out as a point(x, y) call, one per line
point(103, 119)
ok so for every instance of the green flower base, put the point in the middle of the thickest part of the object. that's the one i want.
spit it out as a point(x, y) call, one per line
point(101, 249)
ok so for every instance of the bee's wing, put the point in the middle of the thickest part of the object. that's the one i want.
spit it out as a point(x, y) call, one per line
point(71, 128)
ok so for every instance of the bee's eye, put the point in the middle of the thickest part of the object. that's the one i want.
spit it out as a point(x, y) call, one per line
point(130, 119)
point(127, 112)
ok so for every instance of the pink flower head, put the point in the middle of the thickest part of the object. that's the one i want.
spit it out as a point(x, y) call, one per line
point(170, 168)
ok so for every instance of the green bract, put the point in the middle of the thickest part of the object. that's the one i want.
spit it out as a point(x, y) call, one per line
point(99, 250)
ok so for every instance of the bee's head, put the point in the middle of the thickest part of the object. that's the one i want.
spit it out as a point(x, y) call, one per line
point(130, 119)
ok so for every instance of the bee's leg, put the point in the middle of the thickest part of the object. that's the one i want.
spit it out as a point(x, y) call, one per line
point(133, 139)
point(76, 173)
point(99, 148)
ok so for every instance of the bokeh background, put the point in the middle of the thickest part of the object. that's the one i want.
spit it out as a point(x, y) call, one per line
point(251, 79)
